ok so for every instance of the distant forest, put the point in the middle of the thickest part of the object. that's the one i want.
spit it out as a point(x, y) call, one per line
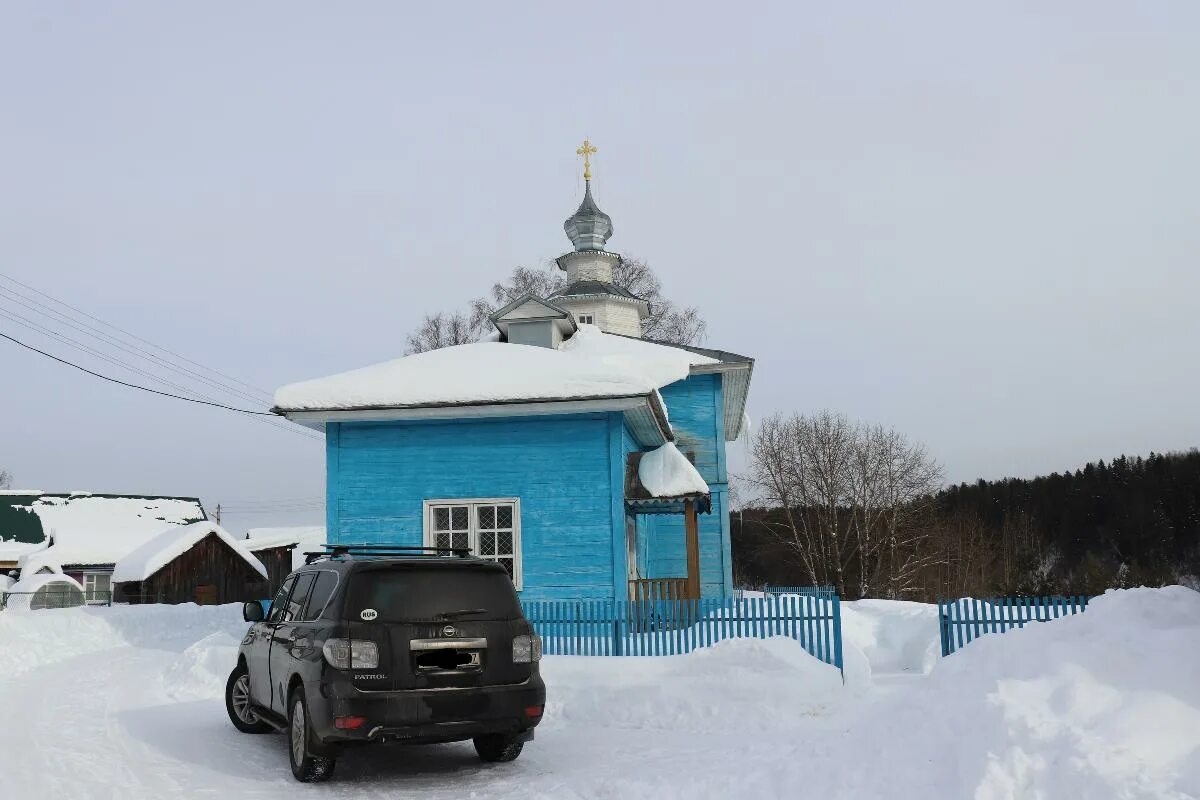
point(1128, 522)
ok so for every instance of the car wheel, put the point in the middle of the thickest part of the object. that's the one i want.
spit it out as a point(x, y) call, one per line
point(496, 747)
point(306, 767)
point(237, 703)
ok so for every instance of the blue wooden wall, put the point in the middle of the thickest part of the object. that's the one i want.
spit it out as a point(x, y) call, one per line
point(563, 469)
point(696, 408)
point(568, 472)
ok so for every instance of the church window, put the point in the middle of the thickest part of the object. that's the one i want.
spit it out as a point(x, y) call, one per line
point(587, 319)
point(489, 528)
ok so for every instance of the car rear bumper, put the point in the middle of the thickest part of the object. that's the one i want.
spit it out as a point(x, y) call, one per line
point(420, 716)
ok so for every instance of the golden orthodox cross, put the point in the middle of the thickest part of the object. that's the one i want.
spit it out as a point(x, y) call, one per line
point(586, 151)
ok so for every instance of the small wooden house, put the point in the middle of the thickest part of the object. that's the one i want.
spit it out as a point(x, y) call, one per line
point(199, 563)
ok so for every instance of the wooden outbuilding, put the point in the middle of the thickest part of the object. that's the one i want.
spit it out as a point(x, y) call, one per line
point(281, 550)
point(199, 563)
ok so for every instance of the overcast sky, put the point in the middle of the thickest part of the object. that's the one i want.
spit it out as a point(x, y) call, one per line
point(976, 224)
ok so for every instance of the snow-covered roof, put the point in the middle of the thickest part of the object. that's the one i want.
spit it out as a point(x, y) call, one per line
point(94, 528)
point(306, 538)
point(591, 364)
point(666, 472)
point(159, 551)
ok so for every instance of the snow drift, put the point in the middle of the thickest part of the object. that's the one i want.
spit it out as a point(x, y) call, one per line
point(1104, 704)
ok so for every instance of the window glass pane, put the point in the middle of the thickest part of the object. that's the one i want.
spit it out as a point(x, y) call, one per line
point(277, 602)
point(504, 542)
point(487, 543)
point(508, 565)
point(458, 516)
point(441, 540)
point(299, 595)
point(504, 516)
point(319, 596)
point(441, 519)
point(487, 516)
point(414, 594)
point(460, 539)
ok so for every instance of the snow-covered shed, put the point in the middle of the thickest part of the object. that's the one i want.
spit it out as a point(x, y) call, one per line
point(568, 448)
point(83, 534)
point(281, 550)
point(200, 563)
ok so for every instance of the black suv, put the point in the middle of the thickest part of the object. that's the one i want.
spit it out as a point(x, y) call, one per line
point(386, 645)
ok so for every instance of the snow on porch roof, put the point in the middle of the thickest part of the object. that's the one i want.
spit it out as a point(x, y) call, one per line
point(172, 543)
point(590, 365)
point(661, 480)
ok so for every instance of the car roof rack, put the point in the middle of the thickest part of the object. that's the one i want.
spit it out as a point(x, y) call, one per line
point(383, 551)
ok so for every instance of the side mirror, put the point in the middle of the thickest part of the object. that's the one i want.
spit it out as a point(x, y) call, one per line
point(253, 611)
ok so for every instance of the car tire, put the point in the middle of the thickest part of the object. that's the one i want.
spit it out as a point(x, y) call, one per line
point(306, 767)
point(237, 703)
point(496, 748)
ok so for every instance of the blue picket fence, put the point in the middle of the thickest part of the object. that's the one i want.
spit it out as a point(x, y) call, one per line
point(964, 620)
point(663, 628)
point(827, 592)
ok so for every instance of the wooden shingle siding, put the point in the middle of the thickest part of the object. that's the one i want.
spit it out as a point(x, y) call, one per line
point(379, 475)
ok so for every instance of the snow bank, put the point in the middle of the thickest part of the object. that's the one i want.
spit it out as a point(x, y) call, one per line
point(666, 472)
point(1097, 705)
point(170, 544)
point(34, 641)
point(1103, 705)
point(591, 364)
point(754, 685)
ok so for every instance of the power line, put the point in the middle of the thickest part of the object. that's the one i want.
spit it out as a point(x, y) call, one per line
point(139, 352)
point(133, 385)
point(102, 338)
point(135, 337)
point(196, 396)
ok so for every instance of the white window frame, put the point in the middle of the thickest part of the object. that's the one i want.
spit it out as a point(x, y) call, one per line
point(473, 525)
point(89, 591)
point(587, 319)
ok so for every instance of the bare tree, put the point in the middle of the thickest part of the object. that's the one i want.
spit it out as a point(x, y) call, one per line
point(442, 329)
point(6, 479)
point(667, 322)
point(851, 500)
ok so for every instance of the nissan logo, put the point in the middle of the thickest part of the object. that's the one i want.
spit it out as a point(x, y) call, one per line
point(449, 630)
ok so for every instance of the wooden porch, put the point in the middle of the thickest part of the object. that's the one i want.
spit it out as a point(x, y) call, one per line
point(656, 590)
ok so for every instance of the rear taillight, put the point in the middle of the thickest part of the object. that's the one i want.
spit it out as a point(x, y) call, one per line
point(351, 653)
point(527, 649)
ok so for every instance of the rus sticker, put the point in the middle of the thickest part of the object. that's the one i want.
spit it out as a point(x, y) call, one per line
point(368, 614)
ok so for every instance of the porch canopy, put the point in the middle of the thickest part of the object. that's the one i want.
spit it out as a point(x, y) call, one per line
point(664, 481)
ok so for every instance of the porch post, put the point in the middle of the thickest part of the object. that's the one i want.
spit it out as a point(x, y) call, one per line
point(692, 526)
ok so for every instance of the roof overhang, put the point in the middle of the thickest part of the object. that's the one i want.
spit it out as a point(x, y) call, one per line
point(644, 414)
point(735, 388)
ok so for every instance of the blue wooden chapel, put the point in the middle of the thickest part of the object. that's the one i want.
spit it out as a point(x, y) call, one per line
point(587, 460)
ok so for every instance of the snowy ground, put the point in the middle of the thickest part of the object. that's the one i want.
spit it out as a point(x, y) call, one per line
point(126, 702)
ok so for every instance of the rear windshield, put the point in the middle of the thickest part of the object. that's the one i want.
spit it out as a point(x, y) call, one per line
point(432, 594)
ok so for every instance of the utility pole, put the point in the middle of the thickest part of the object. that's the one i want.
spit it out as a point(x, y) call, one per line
point(217, 514)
